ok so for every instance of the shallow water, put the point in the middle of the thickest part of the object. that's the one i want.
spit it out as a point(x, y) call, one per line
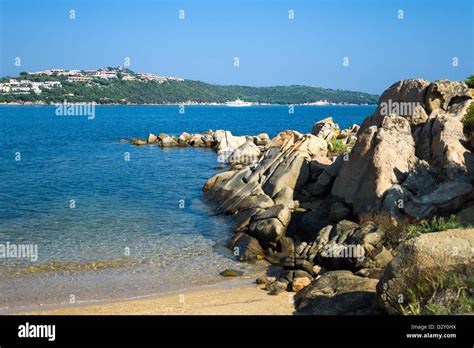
point(110, 228)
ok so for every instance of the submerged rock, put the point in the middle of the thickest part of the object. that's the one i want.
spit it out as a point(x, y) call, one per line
point(138, 142)
point(245, 248)
point(231, 273)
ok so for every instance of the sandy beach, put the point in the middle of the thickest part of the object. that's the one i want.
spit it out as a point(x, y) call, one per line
point(244, 299)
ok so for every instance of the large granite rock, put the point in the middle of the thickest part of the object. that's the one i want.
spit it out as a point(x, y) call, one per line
point(381, 159)
point(225, 139)
point(416, 162)
point(450, 96)
point(401, 99)
point(422, 261)
point(246, 154)
point(245, 248)
point(280, 174)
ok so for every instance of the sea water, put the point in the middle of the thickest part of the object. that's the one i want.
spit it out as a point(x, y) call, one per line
point(111, 220)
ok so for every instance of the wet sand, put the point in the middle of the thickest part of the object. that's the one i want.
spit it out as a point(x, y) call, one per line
point(244, 299)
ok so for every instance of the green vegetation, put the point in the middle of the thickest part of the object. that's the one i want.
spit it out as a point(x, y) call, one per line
point(174, 92)
point(435, 225)
point(468, 120)
point(453, 294)
point(395, 228)
point(401, 229)
point(470, 81)
point(337, 146)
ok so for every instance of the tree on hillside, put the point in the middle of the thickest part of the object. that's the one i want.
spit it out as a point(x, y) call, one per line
point(470, 81)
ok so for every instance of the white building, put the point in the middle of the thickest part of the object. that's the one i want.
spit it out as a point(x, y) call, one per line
point(51, 84)
point(20, 90)
point(79, 79)
point(102, 74)
point(127, 77)
point(5, 88)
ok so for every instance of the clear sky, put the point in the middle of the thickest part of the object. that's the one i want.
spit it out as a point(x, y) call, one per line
point(273, 49)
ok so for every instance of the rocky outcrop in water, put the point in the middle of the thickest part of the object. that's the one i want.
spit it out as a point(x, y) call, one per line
point(218, 140)
point(306, 205)
point(332, 208)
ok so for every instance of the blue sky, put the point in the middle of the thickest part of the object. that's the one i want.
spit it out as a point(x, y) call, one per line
point(273, 50)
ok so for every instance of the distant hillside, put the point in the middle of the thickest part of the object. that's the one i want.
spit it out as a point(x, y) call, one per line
point(139, 91)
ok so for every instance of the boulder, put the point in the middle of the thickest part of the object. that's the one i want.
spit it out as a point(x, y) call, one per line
point(167, 141)
point(246, 154)
point(185, 137)
point(249, 202)
point(299, 283)
point(216, 180)
point(225, 139)
point(152, 138)
point(245, 248)
point(382, 158)
point(400, 99)
point(267, 231)
point(276, 287)
point(326, 129)
point(326, 177)
point(243, 219)
point(262, 139)
point(337, 293)
point(208, 140)
point(446, 151)
point(279, 211)
point(231, 273)
point(444, 94)
point(421, 262)
point(196, 140)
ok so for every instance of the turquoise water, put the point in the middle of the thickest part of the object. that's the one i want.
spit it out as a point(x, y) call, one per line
point(110, 228)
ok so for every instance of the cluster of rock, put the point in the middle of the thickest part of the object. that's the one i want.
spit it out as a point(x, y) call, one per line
point(300, 205)
point(239, 151)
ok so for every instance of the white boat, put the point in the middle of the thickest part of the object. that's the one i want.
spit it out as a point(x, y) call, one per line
point(238, 103)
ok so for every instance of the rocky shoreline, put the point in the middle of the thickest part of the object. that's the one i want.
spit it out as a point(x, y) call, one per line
point(338, 210)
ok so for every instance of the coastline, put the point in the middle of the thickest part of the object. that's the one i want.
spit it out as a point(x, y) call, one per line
point(232, 297)
point(184, 104)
